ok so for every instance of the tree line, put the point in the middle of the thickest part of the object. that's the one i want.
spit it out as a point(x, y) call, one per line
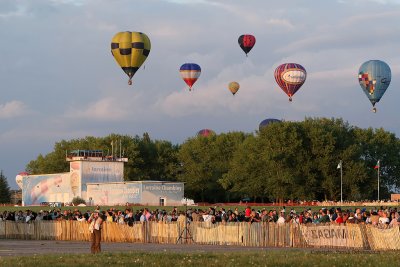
point(282, 161)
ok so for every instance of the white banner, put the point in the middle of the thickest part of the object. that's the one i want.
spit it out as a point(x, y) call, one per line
point(332, 236)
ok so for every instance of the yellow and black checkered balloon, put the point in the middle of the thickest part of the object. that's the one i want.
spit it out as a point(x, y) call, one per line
point(130, 50)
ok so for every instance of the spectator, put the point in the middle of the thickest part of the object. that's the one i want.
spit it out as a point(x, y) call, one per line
point(339, 217)
point(281, 219)
point(384, 220)
point(324, 217)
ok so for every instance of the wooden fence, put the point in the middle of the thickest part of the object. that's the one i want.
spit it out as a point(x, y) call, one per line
point(350, 236)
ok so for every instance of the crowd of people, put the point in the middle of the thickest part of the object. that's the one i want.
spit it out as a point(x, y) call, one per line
point(380, 217)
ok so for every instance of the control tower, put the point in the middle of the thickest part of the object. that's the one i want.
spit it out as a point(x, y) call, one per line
point(92, 166)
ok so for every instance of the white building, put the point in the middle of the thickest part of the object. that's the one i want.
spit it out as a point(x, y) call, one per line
point(99, 180)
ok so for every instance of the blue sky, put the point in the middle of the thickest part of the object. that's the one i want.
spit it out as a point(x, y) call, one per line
point(59, 80)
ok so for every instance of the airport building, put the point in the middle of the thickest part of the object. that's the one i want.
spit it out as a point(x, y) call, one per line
point(98, 179)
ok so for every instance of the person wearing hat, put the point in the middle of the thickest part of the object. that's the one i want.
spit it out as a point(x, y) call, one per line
point(95, 226)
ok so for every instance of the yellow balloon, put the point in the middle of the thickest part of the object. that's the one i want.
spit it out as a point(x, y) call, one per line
point(233, 87)
point(130, 50)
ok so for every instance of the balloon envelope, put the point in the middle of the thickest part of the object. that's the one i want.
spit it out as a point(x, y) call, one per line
point(130, 50)
point(233, 87)
point(266, 122)
point(205, 132)
point(247, 42)
point(190, 72)
point(290, 77)
point(374, 77)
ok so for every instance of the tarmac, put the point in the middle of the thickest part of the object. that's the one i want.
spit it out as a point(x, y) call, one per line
point(13, 247)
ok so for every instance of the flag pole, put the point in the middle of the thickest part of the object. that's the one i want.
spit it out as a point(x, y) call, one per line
point(379, 166)
point(341, 182)
point(112, 148)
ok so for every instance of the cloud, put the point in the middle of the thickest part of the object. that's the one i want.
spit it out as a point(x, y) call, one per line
point(57, 59)
point(115, 106)
point(106, 109)
point(258, 94)
point(13, 10)
point(363, 2)
point(69, 2)
point(188, 2)
point(13, 109)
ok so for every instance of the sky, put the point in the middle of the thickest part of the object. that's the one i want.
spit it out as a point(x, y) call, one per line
point(59, 80)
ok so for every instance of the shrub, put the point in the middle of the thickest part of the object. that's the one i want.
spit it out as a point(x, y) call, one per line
point(78, 200)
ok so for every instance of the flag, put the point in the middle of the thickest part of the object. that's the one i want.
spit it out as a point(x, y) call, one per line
point(339, 165)
point(378, 165)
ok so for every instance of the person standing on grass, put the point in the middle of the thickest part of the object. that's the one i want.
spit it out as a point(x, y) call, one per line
point(95, 229)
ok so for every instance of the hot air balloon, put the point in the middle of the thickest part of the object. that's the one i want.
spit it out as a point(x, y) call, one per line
point(374, 77)
point(130, 50)
point(205, 133)
point(246, 42)
point(266, 122)
point(190, 72)
point(19, 178)
point(233, 87)
point(290, 77)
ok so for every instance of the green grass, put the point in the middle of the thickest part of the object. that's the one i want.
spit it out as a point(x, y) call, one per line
point(293, 257)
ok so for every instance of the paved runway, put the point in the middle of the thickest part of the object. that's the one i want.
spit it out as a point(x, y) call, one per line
point(11, 247)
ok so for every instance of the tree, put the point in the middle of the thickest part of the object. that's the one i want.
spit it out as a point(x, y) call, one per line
point(147, 159)
point(378, 144)
point(5, 193)
point(204, 161)
point(153, 160)
point(246, 173)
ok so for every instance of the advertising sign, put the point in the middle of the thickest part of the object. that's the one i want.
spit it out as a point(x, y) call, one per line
point(100, 172)
point(57, 187)
point(114, 193)
point(333, 236)
point(172, 193)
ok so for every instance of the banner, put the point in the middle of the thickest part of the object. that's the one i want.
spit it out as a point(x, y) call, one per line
point(100, 172)
point(348, 236)
point(113, 193)
point(58, 187)
point(172, 193)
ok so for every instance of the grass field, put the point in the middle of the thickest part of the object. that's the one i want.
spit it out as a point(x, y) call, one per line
point(296, 258)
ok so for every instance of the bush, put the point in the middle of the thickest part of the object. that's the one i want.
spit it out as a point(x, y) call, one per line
point(78, 200)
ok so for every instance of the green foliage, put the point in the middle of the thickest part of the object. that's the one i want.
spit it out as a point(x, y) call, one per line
point(5, 193)
point(147, 159)
point(154, 160)
point(204, 160)
point(78, 200)
point(297, 160)
point(288, 160)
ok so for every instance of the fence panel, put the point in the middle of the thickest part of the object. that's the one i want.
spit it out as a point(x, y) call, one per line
point(350, 236)
point(2, 229)
point(333, 236)
point(384, 239)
